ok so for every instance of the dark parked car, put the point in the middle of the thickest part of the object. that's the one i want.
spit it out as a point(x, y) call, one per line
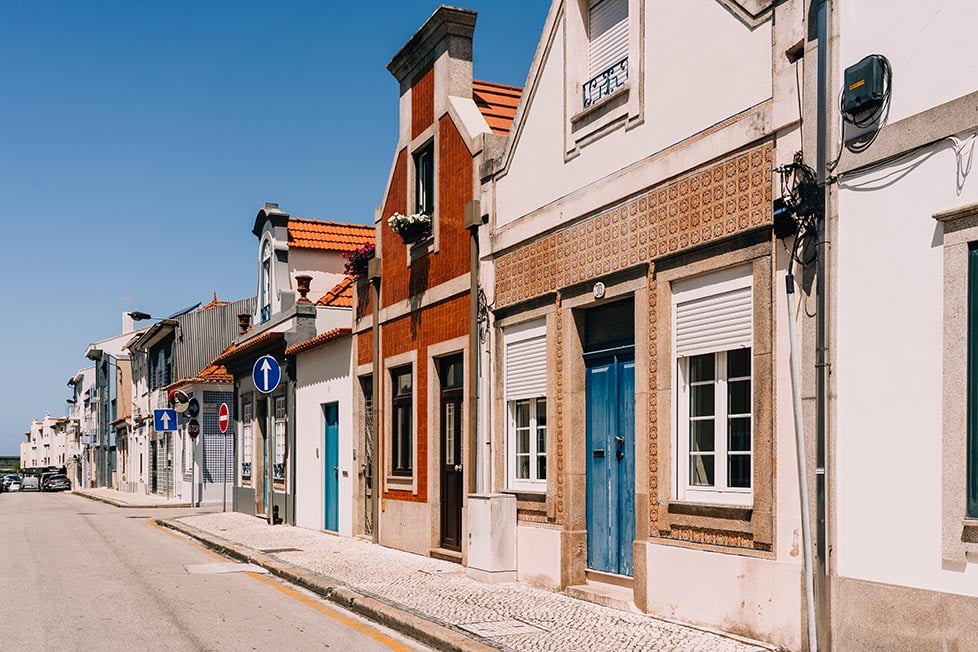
point(57, 482)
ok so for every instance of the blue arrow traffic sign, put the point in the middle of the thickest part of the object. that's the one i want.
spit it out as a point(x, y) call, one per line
point(266, 373)
point(193, 408)
point(164, 420)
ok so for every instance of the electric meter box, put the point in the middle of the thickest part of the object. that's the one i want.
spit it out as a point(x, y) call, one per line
point(865, 86)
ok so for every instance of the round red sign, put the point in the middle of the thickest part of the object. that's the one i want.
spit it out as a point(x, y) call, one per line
point(193, 428)
point(223, 418)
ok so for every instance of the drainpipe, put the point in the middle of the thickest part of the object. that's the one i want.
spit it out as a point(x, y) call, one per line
point(824, 92)
point(373, 275)
point(473, 220)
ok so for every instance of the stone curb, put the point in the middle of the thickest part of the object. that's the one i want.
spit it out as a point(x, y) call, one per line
point(426, 631)
point(118, 503)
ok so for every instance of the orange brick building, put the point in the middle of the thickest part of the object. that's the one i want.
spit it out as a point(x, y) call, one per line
point(415, 394)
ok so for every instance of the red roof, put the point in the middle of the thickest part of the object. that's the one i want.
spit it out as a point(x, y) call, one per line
point(214, 303)
point(237, 350)
point(330, 236)
point(497, 103)
point(340, 296)
point(319, 340)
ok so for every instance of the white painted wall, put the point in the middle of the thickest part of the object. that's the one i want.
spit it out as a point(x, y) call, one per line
point(324, 376)
point(928, 45)
point(690, 85)
point(890, 325)
point(538, 555)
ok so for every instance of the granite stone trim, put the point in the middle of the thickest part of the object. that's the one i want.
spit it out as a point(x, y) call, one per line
point(959, 538)
point(722, 526)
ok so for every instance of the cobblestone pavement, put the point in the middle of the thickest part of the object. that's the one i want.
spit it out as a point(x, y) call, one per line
point(512, 616)
point(129, 499)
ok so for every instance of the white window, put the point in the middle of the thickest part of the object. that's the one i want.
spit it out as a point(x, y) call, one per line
point(265, 283)
point(713, 331)
point(607, 32)
point(526, 403)
point(278, 471)
point(246, 440)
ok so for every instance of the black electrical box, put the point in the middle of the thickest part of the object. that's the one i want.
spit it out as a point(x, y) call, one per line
point(865, 86)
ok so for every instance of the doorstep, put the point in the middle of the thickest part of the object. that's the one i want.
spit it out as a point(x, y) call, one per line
point(446, 555)
point(607, 592)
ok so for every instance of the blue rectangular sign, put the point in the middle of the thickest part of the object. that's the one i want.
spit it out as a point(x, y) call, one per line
point(164, 420)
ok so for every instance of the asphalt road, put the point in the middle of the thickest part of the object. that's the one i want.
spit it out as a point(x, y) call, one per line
point(81, 575)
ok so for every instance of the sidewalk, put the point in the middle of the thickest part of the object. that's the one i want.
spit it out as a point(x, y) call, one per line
point(434, 601)
point(127, 499)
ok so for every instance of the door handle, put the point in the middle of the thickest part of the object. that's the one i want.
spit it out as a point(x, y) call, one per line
point(458, 467)
point(620, 452)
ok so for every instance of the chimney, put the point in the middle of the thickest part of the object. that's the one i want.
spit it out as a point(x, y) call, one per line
point(244, 322)
point(128, 323)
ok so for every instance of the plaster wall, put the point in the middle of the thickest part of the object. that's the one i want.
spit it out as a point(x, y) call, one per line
point(538, 555)
point(680, 100)
point(403, 526)
point(759, 598)
point(926, 43)
point(325, 268)
point(324, 376)
point(888, 369)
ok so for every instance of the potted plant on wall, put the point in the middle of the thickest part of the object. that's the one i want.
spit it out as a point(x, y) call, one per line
point(412, 228)
point(358, 259)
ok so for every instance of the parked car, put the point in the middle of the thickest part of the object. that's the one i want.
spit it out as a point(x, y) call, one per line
point(56, 482)
point(7, 480)
point(30, 483)
point(14, 486)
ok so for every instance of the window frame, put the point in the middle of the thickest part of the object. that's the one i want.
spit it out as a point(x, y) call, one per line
point(424, 179)
point(247, 438)
point(696, 288)
point(402, 401)
point(280, 430)
point(265, 281)
point(533, 483)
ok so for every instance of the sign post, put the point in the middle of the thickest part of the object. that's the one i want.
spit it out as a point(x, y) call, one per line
point(267, 373)
point(193, 431)
point(223, 421)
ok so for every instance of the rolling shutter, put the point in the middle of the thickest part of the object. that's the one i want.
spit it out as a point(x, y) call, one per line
point(608, 35)
point(718, 322)
point(526, 365)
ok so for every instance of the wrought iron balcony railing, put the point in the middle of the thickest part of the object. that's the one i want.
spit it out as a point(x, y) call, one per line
point(605, 83)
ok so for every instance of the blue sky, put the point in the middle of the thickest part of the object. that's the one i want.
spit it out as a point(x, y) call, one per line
point(139, 139)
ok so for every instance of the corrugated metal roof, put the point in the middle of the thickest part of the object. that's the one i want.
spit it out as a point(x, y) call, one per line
point(330, 236)
point(497, 103)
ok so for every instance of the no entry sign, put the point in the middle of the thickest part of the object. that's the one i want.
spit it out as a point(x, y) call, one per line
point(193, 428)
point(223, 418)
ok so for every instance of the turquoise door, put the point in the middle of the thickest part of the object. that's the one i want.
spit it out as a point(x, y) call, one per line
point(610, 396)
point(331, 446)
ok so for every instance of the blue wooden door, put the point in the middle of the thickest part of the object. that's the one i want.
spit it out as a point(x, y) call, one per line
point(610, 396)
point(331, 471)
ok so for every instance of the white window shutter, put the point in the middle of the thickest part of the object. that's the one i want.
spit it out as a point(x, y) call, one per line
point(608, 35)
point(718, 322)
point(526, 368)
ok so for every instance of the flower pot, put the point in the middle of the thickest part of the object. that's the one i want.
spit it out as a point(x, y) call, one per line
point(415, 233)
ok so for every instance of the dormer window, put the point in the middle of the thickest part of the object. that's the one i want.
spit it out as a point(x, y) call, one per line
point(424, 180)
point(607, 31)
point(265, 283)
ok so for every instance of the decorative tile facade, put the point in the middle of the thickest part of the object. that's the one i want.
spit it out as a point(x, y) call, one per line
point(716, 202)
point(653, 427)
point(559, 409)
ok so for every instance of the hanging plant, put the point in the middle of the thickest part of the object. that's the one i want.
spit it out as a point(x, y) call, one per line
point(358, 259)
point(412, 228)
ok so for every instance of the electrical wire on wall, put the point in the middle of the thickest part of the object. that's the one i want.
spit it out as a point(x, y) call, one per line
point(871, 120)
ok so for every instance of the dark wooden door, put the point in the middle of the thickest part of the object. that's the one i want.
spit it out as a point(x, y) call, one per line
point(451, 452)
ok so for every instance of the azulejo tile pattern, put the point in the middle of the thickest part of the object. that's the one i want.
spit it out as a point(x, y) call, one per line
point(706, 205)
point(653, 421)
point(559, 408)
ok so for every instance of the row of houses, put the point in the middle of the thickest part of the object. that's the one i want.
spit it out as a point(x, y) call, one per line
point(565, 350)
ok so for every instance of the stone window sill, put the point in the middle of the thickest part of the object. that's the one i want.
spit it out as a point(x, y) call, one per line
point(617, 97)
point(727, 518)
point(400, 482)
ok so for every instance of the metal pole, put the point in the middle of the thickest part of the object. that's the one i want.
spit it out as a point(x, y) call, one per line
point(375, 461)
point(473, 460)
point(224, 472)
point(193, 464)
point(823, 94)
point(269, 459)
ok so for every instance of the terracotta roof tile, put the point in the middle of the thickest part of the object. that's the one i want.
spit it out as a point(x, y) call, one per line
point(214, 303)
point(340, 296)
point(237, 350)
point(329, 236)
point(319, 340)
point(497, 103)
